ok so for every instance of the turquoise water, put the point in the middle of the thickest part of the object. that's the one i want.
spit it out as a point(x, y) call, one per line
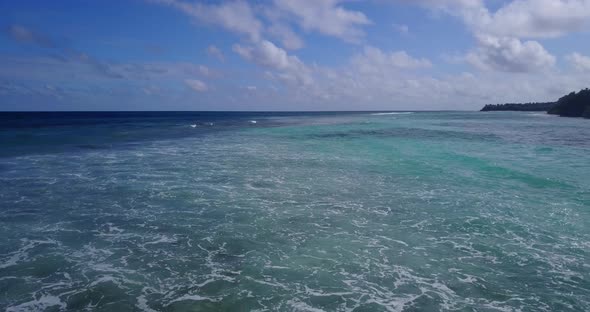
point(439, 211)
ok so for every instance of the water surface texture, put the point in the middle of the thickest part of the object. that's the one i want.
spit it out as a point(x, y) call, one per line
point(429, 211)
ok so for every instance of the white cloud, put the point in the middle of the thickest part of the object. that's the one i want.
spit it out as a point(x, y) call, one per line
point(353, 89)
point(468, 10)
point(377, 79)
point(196, 85)
point(510, 55)
point(374, 60)
point(215, 52)
point(538, 18)
point(236, 16)
point(286, 35)
point(446, 4)
point(500, 34)
point(374, 78)
point(345, 87)
point(326, 17)
point(518, 18)
point(268, 55)
point(579, 62)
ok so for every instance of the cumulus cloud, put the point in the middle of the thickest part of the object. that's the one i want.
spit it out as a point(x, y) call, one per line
point(470, 11)
point(446, 4)
point(538, 18)
point(353, 89)
point(196, 85)
point(325, 16)
point(289, 39)
point(373, 78)
point(268, 55)
point(333, 88)
point(510, 55)
point(579, 62)
point(275, 19)
point(518, 18)
point(501, 34)
point(236, 16)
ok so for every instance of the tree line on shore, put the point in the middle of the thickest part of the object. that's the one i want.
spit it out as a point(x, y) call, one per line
point(575, 104)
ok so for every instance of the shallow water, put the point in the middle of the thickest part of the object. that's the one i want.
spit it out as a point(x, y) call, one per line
point(430, 211)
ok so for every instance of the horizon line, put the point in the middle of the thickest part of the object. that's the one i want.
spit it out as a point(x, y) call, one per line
point(234, 111)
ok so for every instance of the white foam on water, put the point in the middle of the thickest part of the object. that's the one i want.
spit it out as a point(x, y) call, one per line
point(498, 305)
point(40, 304)
point(89, 251)
point(299, 305)
point(162, 239)
point(542, 115)
point(469, 279)
point(394, 304)
point(22, 254)
point(8, 277)
point(319, 293)
point(372, 238)
point(393, 240)
point(13, 260)
point(273, 283)
point(142, 304)
point(211, 280)
point(192, 298)
point(276, 267)
point(107, 279)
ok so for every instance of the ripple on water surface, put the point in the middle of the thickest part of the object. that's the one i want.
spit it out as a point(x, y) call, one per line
point(396, 212)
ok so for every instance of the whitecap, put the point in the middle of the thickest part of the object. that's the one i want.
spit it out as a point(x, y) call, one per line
point(192, 298)
point(541, 115)
point(142, 304)
point(23, 253)
point(162, 239)
point(299, 305)
point(273, 283)
point(42, 303)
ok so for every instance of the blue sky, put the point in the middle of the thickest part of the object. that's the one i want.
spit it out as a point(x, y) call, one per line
point(290, 54)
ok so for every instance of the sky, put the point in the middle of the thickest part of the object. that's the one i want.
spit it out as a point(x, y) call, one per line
point(290, 55)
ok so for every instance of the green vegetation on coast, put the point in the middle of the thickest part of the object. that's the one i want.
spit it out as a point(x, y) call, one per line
point(575, 104)
point(526, 107)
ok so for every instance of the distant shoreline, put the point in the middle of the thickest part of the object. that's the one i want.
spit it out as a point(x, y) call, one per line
point(575, 104)
point(525, 107)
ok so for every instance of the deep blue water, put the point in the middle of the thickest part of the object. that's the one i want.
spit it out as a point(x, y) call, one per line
point(358, 211)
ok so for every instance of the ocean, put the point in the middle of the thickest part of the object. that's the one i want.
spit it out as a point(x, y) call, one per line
point(357, 211)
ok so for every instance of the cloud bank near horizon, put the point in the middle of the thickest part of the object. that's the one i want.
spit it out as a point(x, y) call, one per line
point(263, 63)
